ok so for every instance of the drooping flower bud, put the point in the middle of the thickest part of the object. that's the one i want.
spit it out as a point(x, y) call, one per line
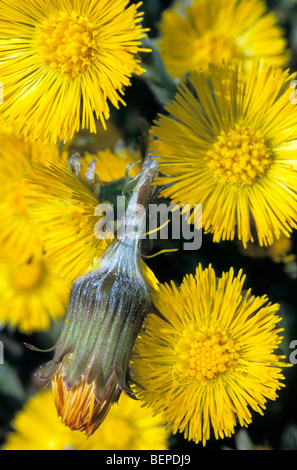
point(107, 306)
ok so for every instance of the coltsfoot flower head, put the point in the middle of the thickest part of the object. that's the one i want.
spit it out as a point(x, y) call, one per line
point(64, 205)
point(70, 60)
point(106, 309)
point(212, 358)
point(112, 165)
point(32, 292)
point(19, 236)
point(230, 145)
point(279, 252)
point(63, 198)
point(202, 32)
point(129, 427)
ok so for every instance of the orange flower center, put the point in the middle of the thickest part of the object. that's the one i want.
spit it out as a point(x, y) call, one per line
point(78, 407)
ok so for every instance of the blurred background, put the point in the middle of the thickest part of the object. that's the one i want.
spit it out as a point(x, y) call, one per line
point(270, 273)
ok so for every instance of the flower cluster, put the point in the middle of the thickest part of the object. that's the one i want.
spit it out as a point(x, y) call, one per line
point(196, 358)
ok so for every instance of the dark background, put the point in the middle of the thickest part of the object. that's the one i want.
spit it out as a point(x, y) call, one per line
point(277, 429)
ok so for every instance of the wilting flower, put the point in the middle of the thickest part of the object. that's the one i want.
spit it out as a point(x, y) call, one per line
point(203, 31)
point(107, 306)
point(211, 360)
point(63, 200)
point(230, 145)
point(129, 427)
point(70, 59)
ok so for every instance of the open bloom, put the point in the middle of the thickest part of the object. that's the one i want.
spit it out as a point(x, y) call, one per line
point(63, 198)
point(129, 427)
point(19, 236)
point(203, 31)
point(212, 358)
point(33, 292)
point(112, 165)
point(279, 252)
point(70, 59)
point(230, 145)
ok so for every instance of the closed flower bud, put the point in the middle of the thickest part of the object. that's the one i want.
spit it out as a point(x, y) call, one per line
point(107, 306)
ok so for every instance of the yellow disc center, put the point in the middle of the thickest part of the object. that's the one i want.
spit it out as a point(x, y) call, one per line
point(28, 275)
point(16, 197)
point(206, 354)
point(239, 157)
point(212, 48)
point(118, 433)
point(67, 43)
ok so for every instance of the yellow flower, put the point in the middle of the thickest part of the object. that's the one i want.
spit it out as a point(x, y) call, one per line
point(32, 293)
point(64, 204)
point(128, 427)
point(71, 58)
point(279, 252)
point(231, 146)
point(4, 128)
point(211, 359)
point(19, 236)
point(111, 166)
point(101, 140)
point(206, 31)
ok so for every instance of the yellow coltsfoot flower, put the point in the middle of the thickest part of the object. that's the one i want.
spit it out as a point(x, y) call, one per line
point(129, 427)
point(63, 202)
point(279, 252)
point(112, 165)
point(70, 60)
point(229, 144)
point(202, 32)
point(33, 293)
point(211, 358)
point(19, 236)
